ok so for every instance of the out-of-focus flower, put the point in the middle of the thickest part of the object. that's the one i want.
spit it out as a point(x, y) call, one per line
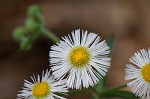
point(138, 71)
point(44, 88)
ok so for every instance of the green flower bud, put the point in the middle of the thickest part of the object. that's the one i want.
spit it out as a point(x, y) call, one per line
point(34, 11)
point(32, 26)
point(25, 45)
point(19, 33)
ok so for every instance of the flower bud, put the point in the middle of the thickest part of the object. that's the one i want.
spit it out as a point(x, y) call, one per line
point(33, 11)
point(32, 26)
point(19, 33)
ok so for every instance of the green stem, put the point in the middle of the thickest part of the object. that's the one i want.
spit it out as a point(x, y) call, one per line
point(110, 90)
point(118, 87)
point(50, 35)
point(74, 92)
point(105, 92)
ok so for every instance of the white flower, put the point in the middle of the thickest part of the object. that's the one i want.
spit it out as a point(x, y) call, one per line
point(139, 73)
point(81, 58)
point(44, 88)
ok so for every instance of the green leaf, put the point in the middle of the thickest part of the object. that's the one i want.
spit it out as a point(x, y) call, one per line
point(118, 87)
point(102, 83)
point(74, 92)
point(110, 43)
point(100, 86)
point(121, 94)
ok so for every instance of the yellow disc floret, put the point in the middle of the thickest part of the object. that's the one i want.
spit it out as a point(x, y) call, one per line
point(145, 71)
point(41, 90)
point(79, 56)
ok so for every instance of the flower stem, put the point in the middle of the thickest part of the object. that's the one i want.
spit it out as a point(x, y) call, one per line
point(50, 35)
point(106, 91)
point(74, 92)
point(118, 87)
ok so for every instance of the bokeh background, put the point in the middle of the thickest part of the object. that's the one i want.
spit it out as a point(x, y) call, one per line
point(128, 20)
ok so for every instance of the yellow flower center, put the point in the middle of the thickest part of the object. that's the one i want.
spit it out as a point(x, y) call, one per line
point(41, 90)
point(145, 71)
point(79, 56)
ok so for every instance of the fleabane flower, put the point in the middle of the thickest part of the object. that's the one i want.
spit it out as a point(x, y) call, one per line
point(138, 72)
point(44, 88)
point(82, 58)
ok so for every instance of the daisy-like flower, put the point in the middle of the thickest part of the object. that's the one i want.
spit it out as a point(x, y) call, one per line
point(138, 72)
point(45, 88)
point(81, 58)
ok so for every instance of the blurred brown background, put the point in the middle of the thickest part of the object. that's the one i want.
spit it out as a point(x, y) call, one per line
point(128, 20)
